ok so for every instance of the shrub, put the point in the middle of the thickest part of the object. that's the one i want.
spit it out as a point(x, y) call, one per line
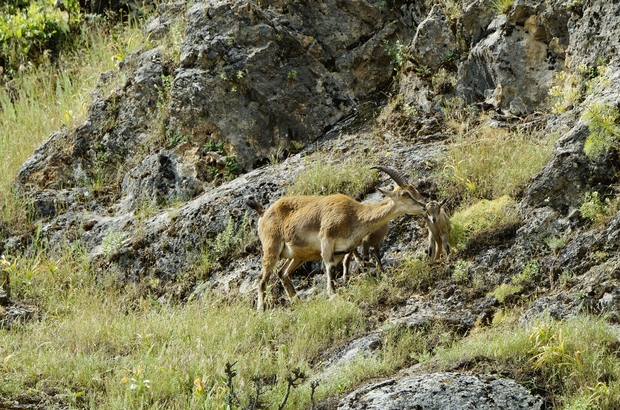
point(504, 290)
point(596, 210)
point(29, 30)
point(603, 123)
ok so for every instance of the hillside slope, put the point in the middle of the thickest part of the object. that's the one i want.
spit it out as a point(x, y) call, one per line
point(263, 99)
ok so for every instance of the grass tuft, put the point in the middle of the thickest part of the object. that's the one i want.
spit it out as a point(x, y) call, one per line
point(492, 163)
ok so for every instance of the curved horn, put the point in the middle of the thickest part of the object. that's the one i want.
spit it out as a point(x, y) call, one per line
point(395, 175)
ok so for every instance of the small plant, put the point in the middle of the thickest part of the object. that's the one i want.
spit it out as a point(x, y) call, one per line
point(231, 171)
point(529, 272)
point(423, 71)
point(460, 272)
point(112, 243)
point(500, 6)
point(599, 256)
point(566, 277)
point(233, 237)
point(572, 88)
point(597, 210)
point(399, 53)
point(212, 146)
point(604, 124)
point(504, 290)
point(175, 138)
point(443, 81)
point(136, 383)
point(292, 75)
point(555, 244)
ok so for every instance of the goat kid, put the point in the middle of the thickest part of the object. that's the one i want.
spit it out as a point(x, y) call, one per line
point(373, 241)
point(439, 229)
point(307, 228)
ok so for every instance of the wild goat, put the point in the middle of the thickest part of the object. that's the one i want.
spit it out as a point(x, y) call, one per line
point(438, 229)
point(307, 228)
point(373, 241)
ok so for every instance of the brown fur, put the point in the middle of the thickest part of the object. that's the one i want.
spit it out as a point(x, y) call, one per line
point(373, 241)
point(307, 228)
point(438, 230)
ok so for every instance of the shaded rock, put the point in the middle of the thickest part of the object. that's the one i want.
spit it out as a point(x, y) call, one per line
point(594, 33)
point(14, 312)
point(569, 173)
point(474, 21)
point(289, 75)
point(434, 40)
point(449, 306)
point(442, 391)
point(504, 69)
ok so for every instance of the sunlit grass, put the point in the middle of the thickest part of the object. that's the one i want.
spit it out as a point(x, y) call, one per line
point(50, 97)
point(350, 177)
point(576, 357)
point(97, 341)
point(492, 162)
point(482, 216)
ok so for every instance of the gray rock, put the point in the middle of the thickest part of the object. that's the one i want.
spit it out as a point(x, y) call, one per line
point(434, 40)
point(442, 391)
point(504, 69)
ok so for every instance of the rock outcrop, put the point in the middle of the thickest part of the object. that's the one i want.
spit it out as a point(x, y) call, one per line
point(438, 391)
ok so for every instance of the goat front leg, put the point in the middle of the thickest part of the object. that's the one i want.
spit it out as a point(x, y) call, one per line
point(432, 246)
point(327, 253)
point(378, 255)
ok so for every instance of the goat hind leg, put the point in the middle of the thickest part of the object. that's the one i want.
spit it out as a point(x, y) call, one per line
point(285, 277)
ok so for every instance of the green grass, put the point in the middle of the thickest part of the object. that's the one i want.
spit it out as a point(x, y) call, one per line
point(481, 217)
point(492, 162)
point(500, 6)
point(105, 345)
point(576, 358)
point(48, 97)
point(349, 177)
point(96, 337)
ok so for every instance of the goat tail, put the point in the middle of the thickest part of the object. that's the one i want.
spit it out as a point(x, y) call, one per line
point(255, 206)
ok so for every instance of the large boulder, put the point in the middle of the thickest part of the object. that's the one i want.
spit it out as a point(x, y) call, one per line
point(439, 391)
point(263, 79)
point(504, 69)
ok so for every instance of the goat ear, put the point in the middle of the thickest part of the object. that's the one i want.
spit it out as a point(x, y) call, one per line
point(389, 194)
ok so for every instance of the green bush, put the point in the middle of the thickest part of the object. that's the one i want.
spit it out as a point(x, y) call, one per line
point(597, 210)
point(31, 30)
point(602, 120)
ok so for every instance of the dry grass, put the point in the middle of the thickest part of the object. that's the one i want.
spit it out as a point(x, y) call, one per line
point(492, 162)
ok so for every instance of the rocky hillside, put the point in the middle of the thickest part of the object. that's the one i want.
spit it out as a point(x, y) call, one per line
point(176, 140)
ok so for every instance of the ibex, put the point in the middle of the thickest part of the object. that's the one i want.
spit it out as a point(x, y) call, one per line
point(373, 241)
point(438, 229)
point(307, 228)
